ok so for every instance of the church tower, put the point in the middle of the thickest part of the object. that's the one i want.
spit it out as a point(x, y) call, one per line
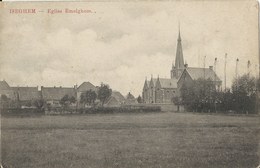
point(179, 63)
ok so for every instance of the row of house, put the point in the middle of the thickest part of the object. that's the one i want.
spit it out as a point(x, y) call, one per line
point(53, 95)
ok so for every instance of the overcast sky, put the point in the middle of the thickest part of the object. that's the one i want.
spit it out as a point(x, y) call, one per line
point(121, 43)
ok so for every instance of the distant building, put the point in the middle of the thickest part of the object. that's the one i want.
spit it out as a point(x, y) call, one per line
point(26, 94)
point(130, 99)
point(5, 89)
point(115, 100)
point(85, 86)
point(53, 95)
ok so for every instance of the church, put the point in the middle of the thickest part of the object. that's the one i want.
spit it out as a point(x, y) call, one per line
point(163, 90)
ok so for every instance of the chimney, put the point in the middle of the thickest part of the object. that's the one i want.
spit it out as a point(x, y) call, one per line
point(211, 67)
point(186, 65)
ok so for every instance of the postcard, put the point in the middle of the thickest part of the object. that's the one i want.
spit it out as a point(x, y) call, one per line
point(129, 84)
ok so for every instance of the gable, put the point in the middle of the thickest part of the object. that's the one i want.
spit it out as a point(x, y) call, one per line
point(118, 96)
point(152, 83)
point(85, 86)
point(112, 101)
point(4, 85)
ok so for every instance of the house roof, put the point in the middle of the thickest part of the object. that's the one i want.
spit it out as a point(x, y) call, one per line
point(112, 101)
point(168, 83)
point(118, 96)
point(57, 93)
point(4, 85)
point(27, 93)
point(129, 96)
point(86, 86)
point(197, 73)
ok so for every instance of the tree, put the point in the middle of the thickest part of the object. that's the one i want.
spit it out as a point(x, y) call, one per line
point(72, 99)
point(64, 100)
point(244, 94)
point(67, 100)
point(104, 92)
point(4, 100)
point(139, 99)
point(89, 97)
point(199, 95)
point(38, 103)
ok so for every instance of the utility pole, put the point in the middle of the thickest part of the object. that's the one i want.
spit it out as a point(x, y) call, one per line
point(215, 84)
point(237, 73)
point(248, 67)
point(204, 66)
point(257, 91)
point(204, 82)
point(258, 78)
point(225, 73)
point(215, 76)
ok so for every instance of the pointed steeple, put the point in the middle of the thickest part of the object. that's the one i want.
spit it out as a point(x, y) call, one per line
point(179, 37)
point(179, 63)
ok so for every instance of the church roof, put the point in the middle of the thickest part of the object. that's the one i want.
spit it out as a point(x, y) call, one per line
point(197, 73)
point(4, 85)
point(168, 83)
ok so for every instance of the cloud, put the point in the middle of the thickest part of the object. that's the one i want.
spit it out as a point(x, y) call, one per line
point(122, 43)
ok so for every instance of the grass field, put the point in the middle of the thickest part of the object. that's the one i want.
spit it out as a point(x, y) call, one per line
point(151, 140)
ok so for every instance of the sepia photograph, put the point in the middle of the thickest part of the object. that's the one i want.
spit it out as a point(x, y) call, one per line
point(148, 84)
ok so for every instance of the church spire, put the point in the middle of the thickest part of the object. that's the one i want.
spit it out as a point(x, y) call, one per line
point(179, 37)
point(179, 63)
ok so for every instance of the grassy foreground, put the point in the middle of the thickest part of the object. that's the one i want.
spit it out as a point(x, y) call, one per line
point(131, 140)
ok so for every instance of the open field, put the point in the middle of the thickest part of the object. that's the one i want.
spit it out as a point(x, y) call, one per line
point(131, 140)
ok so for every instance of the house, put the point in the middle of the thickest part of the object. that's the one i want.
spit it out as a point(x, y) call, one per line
point(85, 86)
point(115, 100)
point(27, 94)
point(5, 89)
point(53, 95)
point(130, 99)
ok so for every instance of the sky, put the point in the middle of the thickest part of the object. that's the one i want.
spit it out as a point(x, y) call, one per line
point(122, 43)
